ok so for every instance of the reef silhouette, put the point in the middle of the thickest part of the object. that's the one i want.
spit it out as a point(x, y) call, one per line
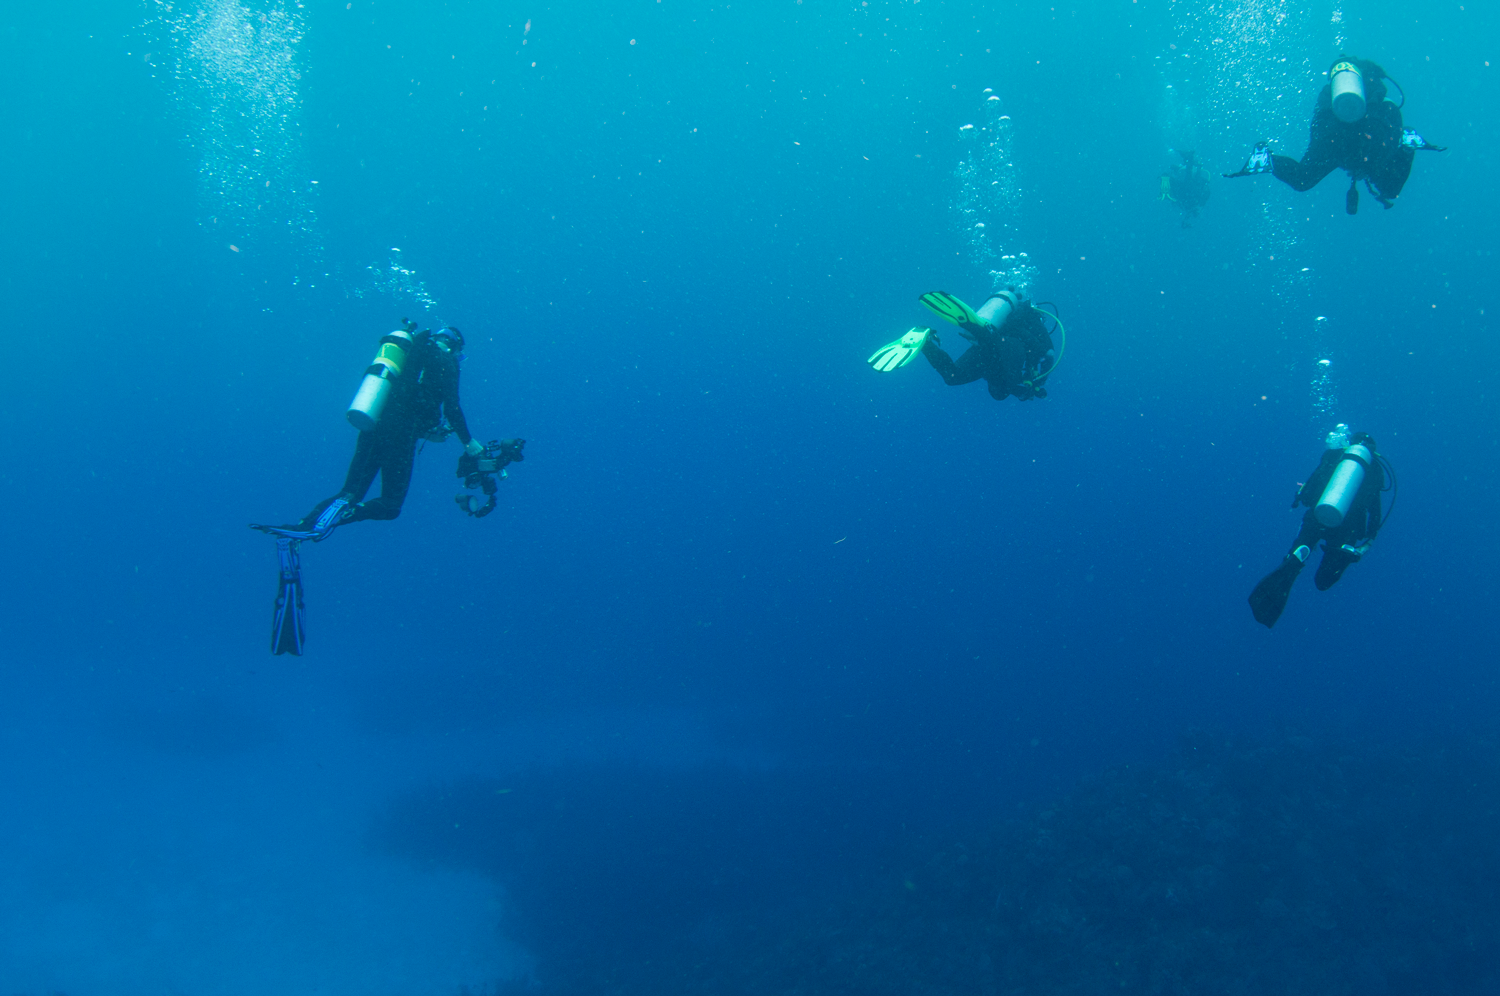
point(1290, 867)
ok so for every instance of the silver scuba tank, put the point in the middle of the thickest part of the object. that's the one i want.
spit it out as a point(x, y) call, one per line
point(375, 390)
point(1343, 486)
point(998, 308)
point(1347, 86)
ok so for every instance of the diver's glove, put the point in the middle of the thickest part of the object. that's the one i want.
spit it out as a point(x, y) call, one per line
point(473, 447)
point(1259, 162)
point(894, 355)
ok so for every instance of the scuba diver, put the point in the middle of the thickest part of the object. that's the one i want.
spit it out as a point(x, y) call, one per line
point(1186, 185)
point(1354, 128)
point(1343, 510)
point(409, 394)
point(1011, 351)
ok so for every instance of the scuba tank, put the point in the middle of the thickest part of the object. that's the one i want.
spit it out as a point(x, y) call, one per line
point(998, 308)
point(1347, 88)
point(375, 390)
point(1343, 486)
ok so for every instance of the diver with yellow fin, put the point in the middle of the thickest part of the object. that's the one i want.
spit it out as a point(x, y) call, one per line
point(1012, 349)
point(1186, 185)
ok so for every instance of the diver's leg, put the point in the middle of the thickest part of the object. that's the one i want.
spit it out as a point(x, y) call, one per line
point(1387, 161)
point(1307, 537)
point(1324, 147)
point(1335, 558)
point(1303, 175)
point(1269, 597)
point(1391, 175)
point(398, 450)
point(362, 469)
point(965, 371)
point(1009, 367)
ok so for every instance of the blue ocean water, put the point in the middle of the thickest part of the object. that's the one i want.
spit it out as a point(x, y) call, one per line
point(771, 673)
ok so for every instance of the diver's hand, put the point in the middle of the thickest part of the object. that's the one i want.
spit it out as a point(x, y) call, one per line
point(510, 450)
point(473, 447)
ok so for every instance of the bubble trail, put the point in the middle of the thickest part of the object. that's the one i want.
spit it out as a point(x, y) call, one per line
point(988, 203)
point(234, 74)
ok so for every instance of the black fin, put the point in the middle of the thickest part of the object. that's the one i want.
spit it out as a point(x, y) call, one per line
point(1351, 199)
point(1269, 597)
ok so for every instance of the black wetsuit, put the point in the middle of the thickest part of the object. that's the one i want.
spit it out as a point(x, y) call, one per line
point(1370, 148)
point(1004, 358)
point(426, 391)
point(1361, 524)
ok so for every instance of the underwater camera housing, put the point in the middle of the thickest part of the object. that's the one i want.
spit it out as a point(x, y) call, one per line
point(479, 473)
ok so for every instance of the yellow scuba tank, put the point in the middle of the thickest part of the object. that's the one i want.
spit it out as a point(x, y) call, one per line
point(375, 390)
point(1347, 87)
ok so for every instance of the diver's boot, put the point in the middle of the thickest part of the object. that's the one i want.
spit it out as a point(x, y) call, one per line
point(341, 511)
point(320, 523)
point(1269, 597)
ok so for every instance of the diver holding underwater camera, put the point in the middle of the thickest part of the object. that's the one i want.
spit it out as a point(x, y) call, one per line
point(408, 394)
point(479, 469)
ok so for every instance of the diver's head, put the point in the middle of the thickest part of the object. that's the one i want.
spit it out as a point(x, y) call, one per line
point(449, 339)
point(1188, 156)
point(1339, 438)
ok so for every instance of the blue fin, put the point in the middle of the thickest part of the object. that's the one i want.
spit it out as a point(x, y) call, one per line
point(1259, 162)
point(288, 634)
point(1411, 140)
